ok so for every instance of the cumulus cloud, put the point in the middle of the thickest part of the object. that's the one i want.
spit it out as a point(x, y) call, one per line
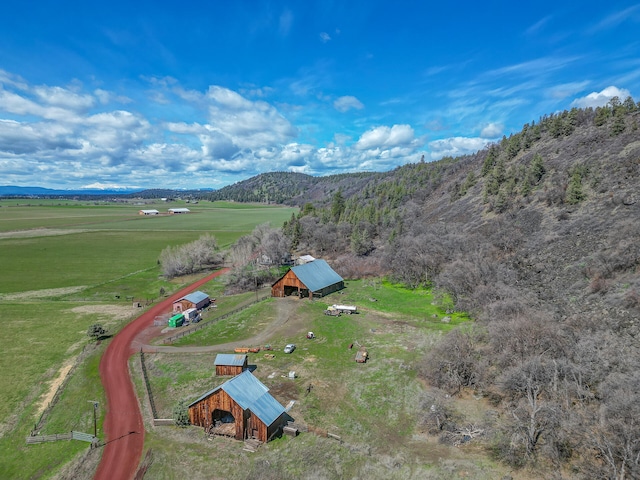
point(456, 146)
point(342, 104)
point(599, 99)
point(386, 137)
point(79, 137)
point(492, 130)
point(61, 97)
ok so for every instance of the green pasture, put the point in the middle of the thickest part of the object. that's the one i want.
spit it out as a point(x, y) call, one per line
point(374, 407)
point(65, 266)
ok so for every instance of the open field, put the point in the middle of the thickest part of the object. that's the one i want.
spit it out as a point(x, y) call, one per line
point(65, 266)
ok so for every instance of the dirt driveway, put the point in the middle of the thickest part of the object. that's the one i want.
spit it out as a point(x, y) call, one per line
point(123, 426)
point(286, 322)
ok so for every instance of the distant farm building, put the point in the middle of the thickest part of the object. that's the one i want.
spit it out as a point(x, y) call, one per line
point(148, 212)
point(241, 408)
point(302, 259)
point(313, 279)
point(178, 210)
point(230, 364)
point(197, 300)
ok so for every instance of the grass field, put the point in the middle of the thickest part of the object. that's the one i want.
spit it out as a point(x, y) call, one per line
point(374, 407)
point(65, 266)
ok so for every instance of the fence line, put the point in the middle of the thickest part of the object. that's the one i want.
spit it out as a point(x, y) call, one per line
point(47, 411)
point(147, 386)
point(201, 325)
point(73, 435)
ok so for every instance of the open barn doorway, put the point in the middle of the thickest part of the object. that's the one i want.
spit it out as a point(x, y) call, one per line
point(222, 423)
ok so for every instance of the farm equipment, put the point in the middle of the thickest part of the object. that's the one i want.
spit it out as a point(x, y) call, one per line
point(362, 355)
point(176, 321)
point(337, 310)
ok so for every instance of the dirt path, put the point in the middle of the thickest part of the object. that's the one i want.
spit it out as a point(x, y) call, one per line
point(123, 426)
point(286, 321)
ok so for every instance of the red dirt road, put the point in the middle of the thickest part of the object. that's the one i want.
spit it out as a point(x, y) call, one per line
point(123, 426)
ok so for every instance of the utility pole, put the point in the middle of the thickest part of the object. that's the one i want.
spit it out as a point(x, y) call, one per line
point(95, 417)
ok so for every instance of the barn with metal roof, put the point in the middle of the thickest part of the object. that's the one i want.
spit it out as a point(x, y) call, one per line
point(198, 300)
point(241, 407)
point(230, 363)
point(313, 279)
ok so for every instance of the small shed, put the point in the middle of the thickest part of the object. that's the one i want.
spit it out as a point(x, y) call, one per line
point(149, 212)
point(178, 210)
point(242, 405)
point(197, 300)
point(313, 279)
point(230, 363)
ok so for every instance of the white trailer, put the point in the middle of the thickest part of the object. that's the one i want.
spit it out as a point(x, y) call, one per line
point(191, 315)
point(348, 309)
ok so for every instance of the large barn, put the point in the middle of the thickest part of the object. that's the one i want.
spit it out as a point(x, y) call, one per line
point(241, 407)
point(197, 300)
point(313, 279)
point(230, 363)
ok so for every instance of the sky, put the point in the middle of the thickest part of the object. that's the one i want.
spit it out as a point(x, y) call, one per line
point(203, 94)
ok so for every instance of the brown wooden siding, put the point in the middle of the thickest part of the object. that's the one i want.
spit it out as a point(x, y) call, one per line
point(289, 280)
point(232, 370)
point(246, 424)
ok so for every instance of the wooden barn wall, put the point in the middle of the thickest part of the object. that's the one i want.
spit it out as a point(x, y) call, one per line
point(256, 427)
point(288, 280)
point(232, 370)
point(273, 428)
point(201, 413)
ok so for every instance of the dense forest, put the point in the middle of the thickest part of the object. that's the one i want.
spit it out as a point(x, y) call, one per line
point(538, 238)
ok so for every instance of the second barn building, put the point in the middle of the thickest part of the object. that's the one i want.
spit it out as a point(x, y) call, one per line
point(313, 279)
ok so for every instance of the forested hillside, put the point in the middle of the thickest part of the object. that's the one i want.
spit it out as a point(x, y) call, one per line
point(538, 237)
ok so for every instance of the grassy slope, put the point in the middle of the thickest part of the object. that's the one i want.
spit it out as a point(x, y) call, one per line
point(374, 407)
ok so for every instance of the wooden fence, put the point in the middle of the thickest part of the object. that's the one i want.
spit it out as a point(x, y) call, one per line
point(73, 435)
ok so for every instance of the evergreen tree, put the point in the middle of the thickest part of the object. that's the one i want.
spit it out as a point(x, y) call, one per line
point(181, 414)
point(618, 126)
point(574, 190)
point(337, 205)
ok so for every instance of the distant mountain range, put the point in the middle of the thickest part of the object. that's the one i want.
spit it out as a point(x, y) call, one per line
point(16, 191)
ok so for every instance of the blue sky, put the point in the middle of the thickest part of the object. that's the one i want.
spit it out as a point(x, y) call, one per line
point(201, 94)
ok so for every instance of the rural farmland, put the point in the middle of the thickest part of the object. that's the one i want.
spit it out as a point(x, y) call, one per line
point(68, 265)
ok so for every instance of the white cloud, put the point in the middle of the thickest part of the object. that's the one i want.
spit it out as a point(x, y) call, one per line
point(456, 146)
point(386, 137)
point(342, 104)
point(599, 99)
point(324, 37)
point(492, 130)
point(61, 97)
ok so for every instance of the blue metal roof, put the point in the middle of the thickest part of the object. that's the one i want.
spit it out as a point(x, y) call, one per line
point(316, 275)
point(230, 359)
point(251, 394)
point(195, 297)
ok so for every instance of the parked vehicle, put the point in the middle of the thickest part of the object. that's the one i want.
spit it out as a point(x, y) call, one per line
point(348, 309)
point(337, 310)
point(176, 321)
point(289, 348)
point(191, 315)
